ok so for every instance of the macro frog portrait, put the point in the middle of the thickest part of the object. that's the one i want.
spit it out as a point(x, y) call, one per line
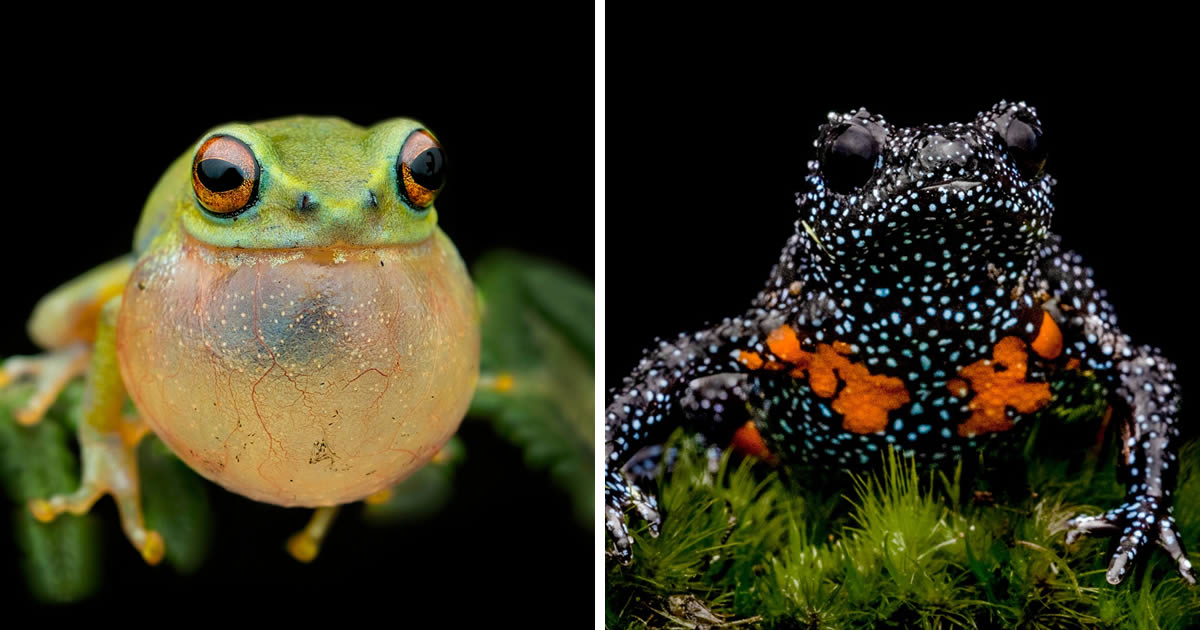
point(330, 360)
point(927, 315)
point(258, 329)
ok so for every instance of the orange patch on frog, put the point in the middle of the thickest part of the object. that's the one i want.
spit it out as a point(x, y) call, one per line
point(748, 440)
point(1049, 341)
point(751, 360)
point(865, 400)
point(996, 390)
point(958, 387)
point(784, 344)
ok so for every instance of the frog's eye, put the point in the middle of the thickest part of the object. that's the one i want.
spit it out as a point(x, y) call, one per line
point(1025, 144)
point(421, 169)
point(225, 175)
point(849, 157)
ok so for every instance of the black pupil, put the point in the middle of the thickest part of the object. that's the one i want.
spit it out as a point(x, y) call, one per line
point(849, 159)
point(429, 168)
point(1026, 146)
point(219, 175)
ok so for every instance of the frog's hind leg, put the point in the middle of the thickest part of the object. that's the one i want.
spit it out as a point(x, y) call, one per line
point(65, 323)
point(109, 441)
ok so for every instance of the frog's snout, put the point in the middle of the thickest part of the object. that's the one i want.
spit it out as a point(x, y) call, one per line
point(310, 202)
point(340, 216)
point(936, 153)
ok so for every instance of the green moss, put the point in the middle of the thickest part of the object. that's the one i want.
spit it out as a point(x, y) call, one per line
point(898, 547)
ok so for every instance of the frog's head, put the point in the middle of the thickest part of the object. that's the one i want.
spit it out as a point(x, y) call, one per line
point(303, 182)
point(880, 194)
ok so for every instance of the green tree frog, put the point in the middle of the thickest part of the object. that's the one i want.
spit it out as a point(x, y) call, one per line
point(291, 322)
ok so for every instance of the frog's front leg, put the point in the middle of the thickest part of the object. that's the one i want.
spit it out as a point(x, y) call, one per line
point(1142, 385)
point(109, 441)
point(50, 372)
point(696, 378)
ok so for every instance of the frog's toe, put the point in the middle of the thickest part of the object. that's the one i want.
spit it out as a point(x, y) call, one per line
point(78, 502)
point(1168, 539)
point(50, 373)
point(614, 520)
point(152, 547)
point(1139, 523)
point(147, 541)
point(1088, 525)
point(647, 507)
point(1122, 559)
point(306, 544)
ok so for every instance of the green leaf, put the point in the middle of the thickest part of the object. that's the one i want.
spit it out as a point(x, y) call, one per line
point(175, 504)
point(60, 559)
point(537, 360)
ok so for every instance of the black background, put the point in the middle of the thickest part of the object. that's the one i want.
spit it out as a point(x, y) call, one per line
point(708, 130)
point(701, 181)
point(98, 122)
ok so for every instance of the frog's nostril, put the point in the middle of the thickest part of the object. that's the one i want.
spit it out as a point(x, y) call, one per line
point(372, 201)
point(306, 203)
point(937, 152)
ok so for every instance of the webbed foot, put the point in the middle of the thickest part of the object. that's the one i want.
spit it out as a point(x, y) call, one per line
point(1139, 523)
point(50, 372)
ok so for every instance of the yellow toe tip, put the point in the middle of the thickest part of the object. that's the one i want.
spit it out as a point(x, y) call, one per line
point(28, 417)
point(505, 382)
point(303, 547)
point(154, 548)
point(379, 497)
point(41, 510)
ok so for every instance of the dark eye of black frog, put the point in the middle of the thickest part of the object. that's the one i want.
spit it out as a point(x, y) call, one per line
point(429, 168)
point(1026, 145)
point(849, 158)
point(218, 175)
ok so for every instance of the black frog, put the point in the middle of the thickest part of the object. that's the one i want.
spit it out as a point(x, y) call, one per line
point(922, 305)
